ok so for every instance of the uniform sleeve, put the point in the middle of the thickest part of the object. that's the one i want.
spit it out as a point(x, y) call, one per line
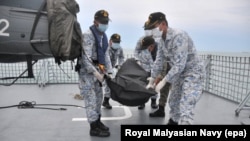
point(121, 58)
point(146, 60)
point(137, 49)
point(179, 51)
point(158, 63)
point(88, 44)
point(151, 62)
point(108, 61)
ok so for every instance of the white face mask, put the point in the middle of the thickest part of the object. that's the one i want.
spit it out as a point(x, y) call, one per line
point(115, 45)
point(102, 27)
point(157, 33)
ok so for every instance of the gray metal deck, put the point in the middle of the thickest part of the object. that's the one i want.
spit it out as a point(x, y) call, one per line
point(71, 125)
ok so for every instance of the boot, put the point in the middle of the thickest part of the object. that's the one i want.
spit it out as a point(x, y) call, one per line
point(153, 103)
point(172, 122)
point(95, 130)
point(158, 113)
point(106, 103)
point(101, 125)
point(141, 107)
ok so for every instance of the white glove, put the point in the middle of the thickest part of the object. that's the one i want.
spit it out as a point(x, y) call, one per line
point(150, 83)
point(138, 62)
point(160, 85)
point(98, 76)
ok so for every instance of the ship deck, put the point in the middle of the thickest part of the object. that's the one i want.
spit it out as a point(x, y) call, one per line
point(71, 124)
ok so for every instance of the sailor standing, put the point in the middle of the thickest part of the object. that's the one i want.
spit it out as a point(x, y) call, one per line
point(117, 59)
point(186, 74)
point(95, 63)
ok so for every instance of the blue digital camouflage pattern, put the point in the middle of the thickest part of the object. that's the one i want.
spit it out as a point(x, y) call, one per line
point(137, 48)
point(90, 87)
point(186, 74)
point(145, 58)
point(117, 58)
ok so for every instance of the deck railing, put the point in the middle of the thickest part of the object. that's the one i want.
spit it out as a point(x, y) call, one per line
point(227, 76)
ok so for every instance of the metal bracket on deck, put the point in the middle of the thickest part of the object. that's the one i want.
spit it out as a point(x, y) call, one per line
point(242, 105)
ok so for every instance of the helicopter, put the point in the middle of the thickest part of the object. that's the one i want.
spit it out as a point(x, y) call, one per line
point(38, 29)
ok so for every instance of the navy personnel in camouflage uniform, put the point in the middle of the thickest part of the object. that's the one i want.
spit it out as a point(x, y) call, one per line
point(186, 74)
point(117, 59)
point(95, 63)
point(160, 112)
point(145, 53)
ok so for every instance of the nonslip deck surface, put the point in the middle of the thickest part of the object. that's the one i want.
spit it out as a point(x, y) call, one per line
point(71, 124)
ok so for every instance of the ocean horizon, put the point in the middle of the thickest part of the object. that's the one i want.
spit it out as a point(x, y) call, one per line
point(129, 52)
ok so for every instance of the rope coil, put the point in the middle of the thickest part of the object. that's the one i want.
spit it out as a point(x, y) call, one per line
point(33, 105)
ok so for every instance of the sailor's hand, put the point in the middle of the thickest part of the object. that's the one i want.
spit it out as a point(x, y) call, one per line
point(102, 68)
point(150, 83)
point(157, 80)
point(99, 77)
point(138, 62)
point(110, 75)
point(161, 84)
point(117, 67)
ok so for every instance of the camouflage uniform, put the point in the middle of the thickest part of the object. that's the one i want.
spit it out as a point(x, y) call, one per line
point(146, 60)
point(90, 87)
point(186, 74)
point(117, 58)
point(145, 57)
point(162, 72)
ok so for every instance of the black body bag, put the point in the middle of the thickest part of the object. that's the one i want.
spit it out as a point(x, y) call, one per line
point(129, 85)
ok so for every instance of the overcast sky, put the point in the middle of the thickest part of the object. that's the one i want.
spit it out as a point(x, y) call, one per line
point(214, 25)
